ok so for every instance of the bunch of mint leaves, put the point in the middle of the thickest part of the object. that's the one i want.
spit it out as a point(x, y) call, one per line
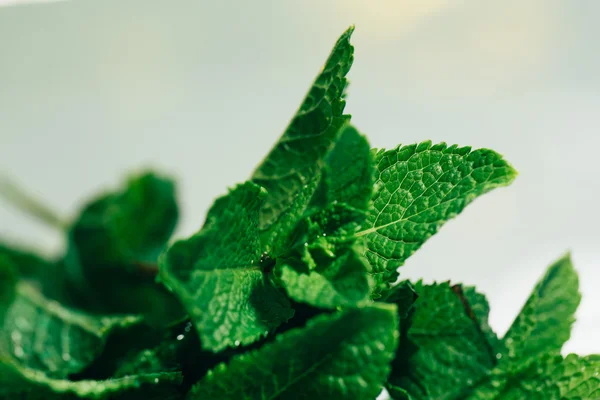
point(289, 290)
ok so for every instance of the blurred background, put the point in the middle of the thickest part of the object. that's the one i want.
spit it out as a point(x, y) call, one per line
point(91, 90)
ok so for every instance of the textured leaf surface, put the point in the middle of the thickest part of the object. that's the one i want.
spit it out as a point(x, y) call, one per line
point(219, 274)
point(419, 188)
point(17, 382)
point(114, 246)
point(544, 324)
point(333, 271)
point(289, 169)
point(452, 351)
point(547, 378)
point(341, 282)
point(481, 309)
point(345, 355)
point(41, 334)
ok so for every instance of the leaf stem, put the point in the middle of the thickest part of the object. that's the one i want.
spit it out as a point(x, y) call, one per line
point(27, 204)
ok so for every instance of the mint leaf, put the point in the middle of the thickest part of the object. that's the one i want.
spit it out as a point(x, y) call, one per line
point(544, 323)
point(550, 377)
point(219, 274)
point(345, 355)
point(452, 354)
point(481, 309)
point(347, 175)
point(41, 334)
point(342, 282)
point(289, 169)
point(126, 227)
point(114, 246)
point(26, 383)
point(419, 188)
point(333, 271)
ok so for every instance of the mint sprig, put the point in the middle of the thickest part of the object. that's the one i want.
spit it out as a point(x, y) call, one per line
point(289, 290)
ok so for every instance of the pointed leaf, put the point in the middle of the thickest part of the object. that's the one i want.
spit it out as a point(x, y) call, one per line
point(419, 188)
point(289, 169)
point(544, 324)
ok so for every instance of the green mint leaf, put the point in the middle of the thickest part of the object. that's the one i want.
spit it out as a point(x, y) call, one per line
point(289, 170)
point(25, 383)
point(342, 281)
point(345, 355)
point(347, 175)
point(452, 354)
point(544, 323)
point(419, 188)
point(404, 296)
point(114, 246)
point(220, 274)
point(333, 271)
point(550, 377)
point(43, 335)
point(481, 308)
point(127, 227)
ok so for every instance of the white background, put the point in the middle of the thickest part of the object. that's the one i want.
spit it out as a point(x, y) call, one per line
point(201, 89)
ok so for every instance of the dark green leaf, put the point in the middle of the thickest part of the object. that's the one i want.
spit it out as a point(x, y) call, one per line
point(114, 246)
point(544, 323)
point(481, 308)
point(453, 353)
point(333, 271)
point(41, 334)
point(289, 170)
point(221, 275)
point(345, 355)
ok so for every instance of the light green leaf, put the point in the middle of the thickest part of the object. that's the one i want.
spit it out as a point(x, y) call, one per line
point(28, 384)
point(221, 274)
point(452, 354)
point(419, 188)
point(345, 355)
point(289, 170)
point(544, 324)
